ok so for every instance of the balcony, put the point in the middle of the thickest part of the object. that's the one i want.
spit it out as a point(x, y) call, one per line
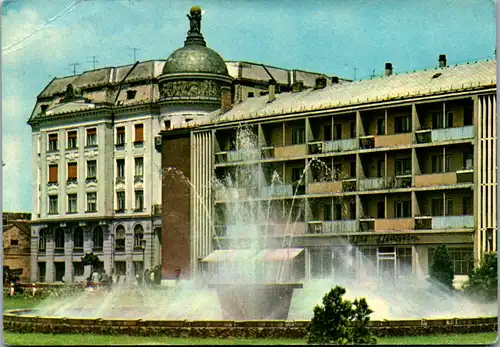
point(393, 224)
point(393, 140)
point(446, 134)
point(376, 183)
point(290, 151)
point(339, 145)
point(333, 227)
point(234, 193)
point(278, 190)
point(436, 179)
point(452, 134)
point(285, 229)
point(453, 222)
point(324, 187)
point(275, 229)
point(243, 155)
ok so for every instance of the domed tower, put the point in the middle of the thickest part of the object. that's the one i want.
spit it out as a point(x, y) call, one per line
point(195, 74)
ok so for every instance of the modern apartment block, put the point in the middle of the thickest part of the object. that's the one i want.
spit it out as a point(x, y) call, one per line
point(393, 166)
point(96, 164)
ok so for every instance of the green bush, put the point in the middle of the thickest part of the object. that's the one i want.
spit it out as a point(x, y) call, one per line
point(340, 321)
point(482, 284)
point(442, 267)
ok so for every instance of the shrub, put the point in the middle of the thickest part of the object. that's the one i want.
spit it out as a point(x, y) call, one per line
point(483, 281)
point(442, 267)
point(340, 321)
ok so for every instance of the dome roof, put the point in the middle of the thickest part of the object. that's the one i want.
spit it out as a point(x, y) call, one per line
point(195, 58)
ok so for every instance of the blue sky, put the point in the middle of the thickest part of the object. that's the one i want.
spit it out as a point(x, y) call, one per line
point(41, 38)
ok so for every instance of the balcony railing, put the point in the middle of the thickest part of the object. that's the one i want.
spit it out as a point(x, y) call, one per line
point(290, 151)
point(375, 183)
point(393, 140)
point(453, 222)
point(243, 155)
point(334, 227)
point(157, 210)
point(278, 190)
point(449, 134)
point(324, 187)
point(275, 229)
point(396, 224)
point(339, 145)
point(436, 179)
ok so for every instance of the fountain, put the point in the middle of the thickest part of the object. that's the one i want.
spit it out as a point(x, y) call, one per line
point(256, 272)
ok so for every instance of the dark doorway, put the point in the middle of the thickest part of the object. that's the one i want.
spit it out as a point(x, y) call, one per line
point(380, 209)
point(60, 269)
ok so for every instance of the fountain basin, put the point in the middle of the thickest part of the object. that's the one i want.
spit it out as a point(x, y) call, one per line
point(265, 301)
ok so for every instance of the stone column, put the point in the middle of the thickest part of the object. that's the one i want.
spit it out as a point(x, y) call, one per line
point(129, 248)
point(34, 253)
point(49, 251)
point(68, 255)
point(87, 247)
point(107, 248)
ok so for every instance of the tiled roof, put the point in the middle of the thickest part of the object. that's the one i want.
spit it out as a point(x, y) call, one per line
point(100, 77)
point(442, 80)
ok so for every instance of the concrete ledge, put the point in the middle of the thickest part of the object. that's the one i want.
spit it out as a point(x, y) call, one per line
point(231, 329)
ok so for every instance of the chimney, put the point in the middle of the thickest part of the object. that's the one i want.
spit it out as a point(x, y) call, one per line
point(442, 60)
point(388, 69)
point(335, 80)
point(225, 99)
point(320, 83)
point(297, 86)
point(272, 90)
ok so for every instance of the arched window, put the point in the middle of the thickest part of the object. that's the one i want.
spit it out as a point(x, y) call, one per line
point(97, 238)
point(78, 238)
point(120, 238)
point(59, 240)
point(138, 235)
point(42, 240)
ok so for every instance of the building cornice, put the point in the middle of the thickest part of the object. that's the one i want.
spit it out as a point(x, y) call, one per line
point(65, 116)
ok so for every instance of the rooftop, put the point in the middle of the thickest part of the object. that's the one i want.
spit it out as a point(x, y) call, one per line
point(474, 76)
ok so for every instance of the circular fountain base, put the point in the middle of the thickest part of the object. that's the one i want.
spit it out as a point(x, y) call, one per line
point(27, 320)
point(267, 301)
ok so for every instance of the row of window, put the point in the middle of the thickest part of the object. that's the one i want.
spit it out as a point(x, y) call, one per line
point(72, 206)
point(328, 262)
point(402, 209)
point(79, 269)
point(72, 169)
point(97, 238)
point(402, 124)
point(91, 137)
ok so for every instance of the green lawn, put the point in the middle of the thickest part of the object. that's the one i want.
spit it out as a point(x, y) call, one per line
point(90, 339)
point(10, 303)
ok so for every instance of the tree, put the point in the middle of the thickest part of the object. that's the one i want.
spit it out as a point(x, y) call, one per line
point(483, 281)
point(442, 267)
point(340, 321)
point(90, 259)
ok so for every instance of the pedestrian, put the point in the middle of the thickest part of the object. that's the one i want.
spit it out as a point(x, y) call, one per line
point(146, 277)
point(152, 277)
